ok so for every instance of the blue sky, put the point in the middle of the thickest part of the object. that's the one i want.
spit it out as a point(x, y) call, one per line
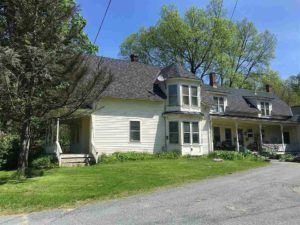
point(281, 17)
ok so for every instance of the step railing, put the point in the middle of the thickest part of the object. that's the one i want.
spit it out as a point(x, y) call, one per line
point(58, 152)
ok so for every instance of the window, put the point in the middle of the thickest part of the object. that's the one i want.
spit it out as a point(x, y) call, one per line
point(172, 93)
point(173, 132)
point(185, 95)
point(265, 108)
point(228, 135)
point(250, 133)
point(194, 91)
point(190, 132)
point(135, 131)
point(286, 137)
point(218, 105)
point(186, 133)
point(195, 130)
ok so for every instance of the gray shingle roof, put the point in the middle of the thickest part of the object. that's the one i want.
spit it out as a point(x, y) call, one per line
point(243, 101)
point(176, 70)
point(131, 80)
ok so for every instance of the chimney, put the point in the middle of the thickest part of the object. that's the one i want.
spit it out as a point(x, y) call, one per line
point(212, 80)
point(269, 88)
point(134, 58)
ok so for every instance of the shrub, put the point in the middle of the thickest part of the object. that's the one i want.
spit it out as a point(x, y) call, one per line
point(43, 162)
point(287, 158)
point(9, 148)
point(229, 155)
point(134, 156)
point(270, 154)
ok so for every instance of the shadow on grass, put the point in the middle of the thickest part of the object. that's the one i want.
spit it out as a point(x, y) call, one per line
point(16, 178)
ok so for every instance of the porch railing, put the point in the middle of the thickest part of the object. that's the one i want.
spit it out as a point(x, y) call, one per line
point(282, 147)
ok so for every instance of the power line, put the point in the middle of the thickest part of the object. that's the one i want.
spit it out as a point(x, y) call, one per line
point(102, 21)
point(236, 2)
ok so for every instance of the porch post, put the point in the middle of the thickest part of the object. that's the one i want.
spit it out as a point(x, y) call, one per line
point(57, 130)
point(260, 136)
point(237, 137)
point(282, 137)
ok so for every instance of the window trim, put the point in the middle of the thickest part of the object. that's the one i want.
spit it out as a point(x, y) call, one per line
point(184, 95)
point(191, 132)
point(218, 104)
point(178, 132)
point(176, 104)
point(264, 109)
point(194, 96)
point(140, 132)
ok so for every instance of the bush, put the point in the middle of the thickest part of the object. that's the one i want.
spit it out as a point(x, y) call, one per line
point(270, 154)
point(229, 155)
point(9, 148)
point(134, 156)
point(287, 158)
point(43, 162)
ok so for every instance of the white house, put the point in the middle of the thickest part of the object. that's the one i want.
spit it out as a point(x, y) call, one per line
point(152, 109)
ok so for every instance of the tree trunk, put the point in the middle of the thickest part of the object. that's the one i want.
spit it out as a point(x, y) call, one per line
point(25, 143)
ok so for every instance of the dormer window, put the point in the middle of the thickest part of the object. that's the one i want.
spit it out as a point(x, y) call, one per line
point(265, 108)
point(173, 95)
point(218, 106)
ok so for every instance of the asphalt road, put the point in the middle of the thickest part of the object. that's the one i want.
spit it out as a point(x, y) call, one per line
point(269, 195)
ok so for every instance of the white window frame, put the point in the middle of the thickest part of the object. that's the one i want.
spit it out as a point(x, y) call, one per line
point(264, 109)
point(177, 94)
point(140, 131)
point(194, 96)
point(218, 104)
point(191, 133)
point(178, 132)
point(188, 95)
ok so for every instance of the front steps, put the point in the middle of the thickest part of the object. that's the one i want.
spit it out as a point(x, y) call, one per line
point(76, 160)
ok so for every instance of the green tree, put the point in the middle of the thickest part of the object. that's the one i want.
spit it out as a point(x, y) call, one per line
point(43, 52)
point(205, 40)
point(249, 54)
point(194, 40)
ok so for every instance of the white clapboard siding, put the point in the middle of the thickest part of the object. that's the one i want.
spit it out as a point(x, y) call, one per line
point(204, 126)
point(111, 125)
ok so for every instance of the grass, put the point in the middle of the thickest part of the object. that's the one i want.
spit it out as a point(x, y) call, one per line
point(69, 187)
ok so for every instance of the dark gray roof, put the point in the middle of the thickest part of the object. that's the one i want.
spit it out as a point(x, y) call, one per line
point(176, 70)
point(131, 80)
point(243, 101)
point(296, 114)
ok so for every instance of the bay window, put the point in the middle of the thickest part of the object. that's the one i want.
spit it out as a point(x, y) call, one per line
point(173, 132)
point(185, 95)
point(190, 132)
point(173, 95)
point(194, 92)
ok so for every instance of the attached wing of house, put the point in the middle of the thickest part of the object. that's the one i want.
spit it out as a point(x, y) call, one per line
point(151, 109)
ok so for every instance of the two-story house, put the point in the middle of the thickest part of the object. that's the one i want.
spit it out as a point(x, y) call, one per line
point(151, 109)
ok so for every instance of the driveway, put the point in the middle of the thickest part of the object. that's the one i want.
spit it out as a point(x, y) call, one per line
point(269, 195)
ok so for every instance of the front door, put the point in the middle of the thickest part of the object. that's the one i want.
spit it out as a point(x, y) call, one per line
point(241, 137)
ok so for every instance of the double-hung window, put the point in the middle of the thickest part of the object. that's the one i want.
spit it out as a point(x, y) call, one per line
point(173, 132)
point(194, 93)
point(265, 108)
point(190, 132)
point(135, 131)
point(172, 94)
point(218, 106)
point(185, 95)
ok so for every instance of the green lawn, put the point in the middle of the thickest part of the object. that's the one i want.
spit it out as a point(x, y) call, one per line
point(69, 187)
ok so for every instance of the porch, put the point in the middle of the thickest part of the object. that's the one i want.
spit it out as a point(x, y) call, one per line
point(71, 141)
point(256, 135)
